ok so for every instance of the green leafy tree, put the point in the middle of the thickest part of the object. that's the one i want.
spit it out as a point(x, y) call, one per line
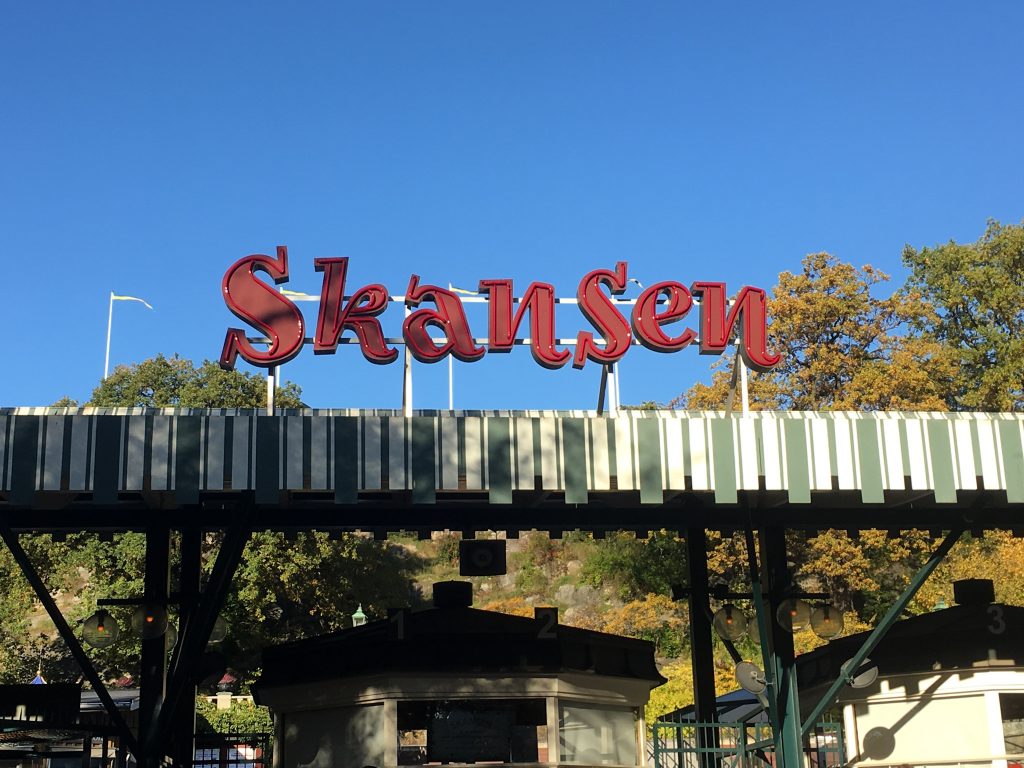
point(240, 717)
point(636, 567)
point(975, 292)
point(287, 590)
point(176, 382)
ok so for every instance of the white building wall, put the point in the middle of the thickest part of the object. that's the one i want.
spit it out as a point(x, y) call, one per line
point(940, 718)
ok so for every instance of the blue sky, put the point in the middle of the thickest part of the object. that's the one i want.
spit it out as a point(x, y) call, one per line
point(145, 148)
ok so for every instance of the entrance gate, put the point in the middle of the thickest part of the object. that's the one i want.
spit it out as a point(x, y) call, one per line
point(158, 470)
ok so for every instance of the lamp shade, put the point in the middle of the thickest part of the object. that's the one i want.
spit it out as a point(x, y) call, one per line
point(827, 621)
point(793, 614)
point(219, 631)
point(100, 630)
point(170, 636)
point(149, 621)
point(730, 622)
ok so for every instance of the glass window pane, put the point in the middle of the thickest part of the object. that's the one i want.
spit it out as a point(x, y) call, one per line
point(597, 736)
point(347, 737)
point(469, 731)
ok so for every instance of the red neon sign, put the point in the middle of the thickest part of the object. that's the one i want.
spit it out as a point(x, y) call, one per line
point(277, 317)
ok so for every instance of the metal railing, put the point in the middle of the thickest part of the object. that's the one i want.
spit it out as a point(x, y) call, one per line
point(232, 750)
point(731, 745)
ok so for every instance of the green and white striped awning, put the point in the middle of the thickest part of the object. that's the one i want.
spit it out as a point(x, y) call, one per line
point(350, 455)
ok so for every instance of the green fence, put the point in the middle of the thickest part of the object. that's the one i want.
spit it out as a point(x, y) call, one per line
point(688, 744)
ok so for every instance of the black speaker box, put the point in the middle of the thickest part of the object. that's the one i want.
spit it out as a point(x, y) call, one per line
point(482, 557)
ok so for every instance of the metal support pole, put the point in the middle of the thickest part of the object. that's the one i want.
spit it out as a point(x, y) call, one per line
point(407, 376)
point(762, 618)
point(110, 323)
point(75, 647)
point(86, 751)
point(183, 740)
point(196, 633)
point(613, 390)
point(703, 660)
point(743, 384)
point(890, 618)
point(788, 741)
point(153, 680)
point(271, 388)
point(602, 390)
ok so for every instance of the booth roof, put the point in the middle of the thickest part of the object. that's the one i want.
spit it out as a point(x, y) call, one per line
point(963, 640)
point(466, 641)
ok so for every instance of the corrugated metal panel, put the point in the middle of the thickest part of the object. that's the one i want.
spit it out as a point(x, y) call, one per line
point(577, 453)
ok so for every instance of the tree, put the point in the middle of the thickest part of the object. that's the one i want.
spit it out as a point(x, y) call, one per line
point(176, 382)
point(842, 347)
point(976, 296)
point(287, 590)
point(636, 567)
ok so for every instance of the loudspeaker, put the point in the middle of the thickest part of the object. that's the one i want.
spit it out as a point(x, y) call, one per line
point(482, 557)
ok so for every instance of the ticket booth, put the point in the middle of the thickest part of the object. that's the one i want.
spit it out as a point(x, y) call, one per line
point(455, 685)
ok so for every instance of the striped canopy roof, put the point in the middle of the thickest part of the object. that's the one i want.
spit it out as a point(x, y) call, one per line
point(105, 454)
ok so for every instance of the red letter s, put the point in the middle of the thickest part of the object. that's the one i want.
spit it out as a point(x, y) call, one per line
point(600, 311)
point(266, 310)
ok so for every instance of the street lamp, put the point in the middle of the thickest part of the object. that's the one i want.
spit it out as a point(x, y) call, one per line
point(149, 620)
point(100, 630)
point(827, 621)
point(730, 622)
point(793, 614)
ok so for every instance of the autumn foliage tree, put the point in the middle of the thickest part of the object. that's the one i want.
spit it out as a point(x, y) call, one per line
point(952, 337)
point(844, 347)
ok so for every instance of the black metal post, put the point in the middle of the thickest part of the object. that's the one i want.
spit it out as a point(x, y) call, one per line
point(701, 647)
point(153, 681)
point(196, 632)
point(87, 751)
point(788, 742)
point(183, 740)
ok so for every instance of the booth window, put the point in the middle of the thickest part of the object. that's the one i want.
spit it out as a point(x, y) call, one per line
point(1012, 706)
point(597, 735)
point(472, 731)
point(344, 737)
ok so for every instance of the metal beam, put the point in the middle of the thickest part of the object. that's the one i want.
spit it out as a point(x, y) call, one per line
point(788, 743)
point(890, 618)
point(183, 736)
point(762, 619)
point(196, 632)
point(77, 652)
point(703, 657)
point(153, 680)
